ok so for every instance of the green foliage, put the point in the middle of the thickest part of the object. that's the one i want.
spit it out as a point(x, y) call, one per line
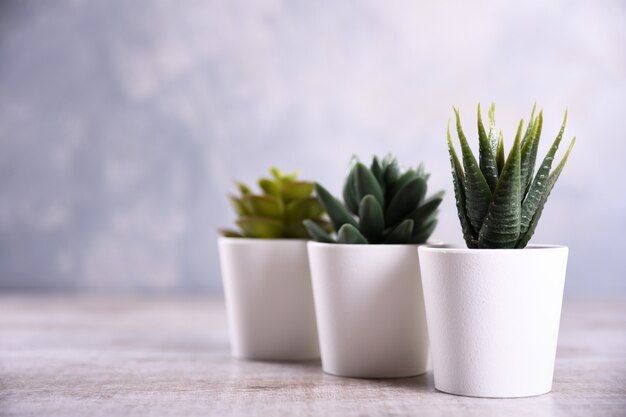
point(499, 201)
point(383, 204)
point(280, 210)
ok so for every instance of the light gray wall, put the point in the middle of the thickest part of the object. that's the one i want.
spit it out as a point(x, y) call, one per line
point(122, 124)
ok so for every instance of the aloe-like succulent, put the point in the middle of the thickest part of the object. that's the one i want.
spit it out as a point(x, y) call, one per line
point(279, 211)
point(383, 204)
point(500, 202)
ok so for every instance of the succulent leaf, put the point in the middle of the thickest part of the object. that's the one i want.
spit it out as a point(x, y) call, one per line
point(264, 206)
point(554, 176)
point(493, 138)
point(317, 232)
point(297, 190)
point(349, 192)
point(306, 208)
point(501, 227)
point(477, 192)
point(371, 219)
point(425, 232)
point(391, 170)
point(500, 153)
point(401, 233)
point(422, 214)
point(229, 233)
point(243, 188)
point(540, 182)
point(396, 186)
point(458, 180)
point(351, 235)
point(260, 227)
point(238, 206)
point(338, 214)
point(373, 186)
point(377, 170)
point(405, 200)
point(529, 153)
point(270, 187)
point(279, 211)
point(366, 184)
point(487, 158)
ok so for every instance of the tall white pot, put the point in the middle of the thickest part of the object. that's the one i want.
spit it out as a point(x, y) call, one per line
point(370, 309)
point(269, 300)
point(493, 318)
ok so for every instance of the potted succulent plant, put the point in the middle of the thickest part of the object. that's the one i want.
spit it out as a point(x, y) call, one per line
point(366, 282)
point(493, 309)
point(265, 271)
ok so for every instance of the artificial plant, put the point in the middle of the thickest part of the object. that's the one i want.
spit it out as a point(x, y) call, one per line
point(279, 210)
point(499, 202)
point(382, 204)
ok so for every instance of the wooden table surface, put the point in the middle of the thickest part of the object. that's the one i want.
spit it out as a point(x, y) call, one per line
point(106, 356)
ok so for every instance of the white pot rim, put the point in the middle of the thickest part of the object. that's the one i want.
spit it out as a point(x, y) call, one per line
point(256, 241)
point(345, 246)
point(454, 249)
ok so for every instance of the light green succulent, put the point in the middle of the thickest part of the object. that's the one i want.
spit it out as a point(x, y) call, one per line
point(383, 204)
point(279, 211)
point(499, 202)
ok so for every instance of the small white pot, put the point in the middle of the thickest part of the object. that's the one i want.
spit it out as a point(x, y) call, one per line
point(269, 300)
point(370, 310)
point(493, 318)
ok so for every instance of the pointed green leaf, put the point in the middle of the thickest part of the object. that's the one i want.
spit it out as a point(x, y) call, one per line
point(295, 231)
point(424, 211)
point(366, 184)
point(336, 211)
point(391, 170)
point(529, 153)
point(317, 232)
point(260, 227)
point(229, 233)
point(405, 201)
point(540, 182)
point(396, 186)
point(487, 159)
point(371, 219)
point(377, 170)
point(297, 190)
point(269, 187)
point(554, 176)
point(401, 234)
point(500, 153)
point(307, 208)
point(350, 234)
point(243, 188)
point(493, 139)
point(349, 192)
point(477, 192)
point(264, 206)
point(458, 180)
point(501, 228)
point(420, 170)
point(424, 232)
point(238, 206)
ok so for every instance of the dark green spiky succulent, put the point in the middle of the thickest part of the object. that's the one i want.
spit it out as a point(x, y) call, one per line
point(500, 202)
point(279, 211)
point(388, 203)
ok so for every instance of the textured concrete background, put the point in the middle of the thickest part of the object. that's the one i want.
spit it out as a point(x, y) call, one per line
point(122, 124)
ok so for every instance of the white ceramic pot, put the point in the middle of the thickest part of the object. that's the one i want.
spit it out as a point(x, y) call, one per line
point(493, 318)
point(269, 300)
point(370, 310)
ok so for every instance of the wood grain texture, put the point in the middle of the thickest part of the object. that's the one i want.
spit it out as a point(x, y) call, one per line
point(105, 356)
